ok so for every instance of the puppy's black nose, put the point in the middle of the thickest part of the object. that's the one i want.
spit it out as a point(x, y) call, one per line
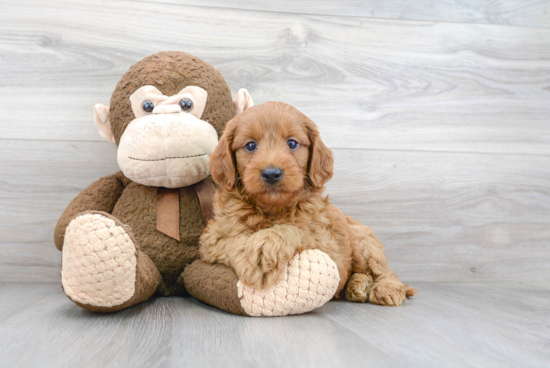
point(272, 175)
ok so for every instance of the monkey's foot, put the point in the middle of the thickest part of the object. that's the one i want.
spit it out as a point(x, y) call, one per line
point(102, 268)
point(310, 280)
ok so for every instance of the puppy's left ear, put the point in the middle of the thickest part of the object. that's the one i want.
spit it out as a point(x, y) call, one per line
point(321, 162)
point(242, 101)
point(222, 165)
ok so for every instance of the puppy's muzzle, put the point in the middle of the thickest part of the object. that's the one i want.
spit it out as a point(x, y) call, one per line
point(272, 175)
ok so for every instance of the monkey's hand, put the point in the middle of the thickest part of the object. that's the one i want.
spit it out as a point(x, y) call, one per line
point(266, 254)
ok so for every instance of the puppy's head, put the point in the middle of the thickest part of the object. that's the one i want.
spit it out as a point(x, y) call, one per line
point(275, 151)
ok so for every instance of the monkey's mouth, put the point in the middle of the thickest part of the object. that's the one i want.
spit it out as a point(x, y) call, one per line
point(166, 158)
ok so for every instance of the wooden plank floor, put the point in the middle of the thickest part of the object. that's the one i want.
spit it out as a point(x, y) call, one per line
point(451, 325)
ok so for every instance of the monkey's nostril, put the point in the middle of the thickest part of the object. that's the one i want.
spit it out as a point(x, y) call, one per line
point(272, 175)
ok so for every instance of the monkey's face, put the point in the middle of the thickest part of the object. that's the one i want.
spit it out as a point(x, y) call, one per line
point(166, 115)
point(167, 144)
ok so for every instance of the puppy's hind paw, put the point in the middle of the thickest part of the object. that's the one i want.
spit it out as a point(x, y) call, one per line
point(391, 294)
point(410, 291)
point(358, 287)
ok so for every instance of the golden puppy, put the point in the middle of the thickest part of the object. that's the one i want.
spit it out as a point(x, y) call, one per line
point(271, 166)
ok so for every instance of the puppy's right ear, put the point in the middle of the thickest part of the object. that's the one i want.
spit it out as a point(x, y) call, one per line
point(222, 165)
point(321, 162)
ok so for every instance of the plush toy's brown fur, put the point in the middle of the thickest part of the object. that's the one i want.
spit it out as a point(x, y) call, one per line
point(134, 204)
point(259, 226)
point(170, 72)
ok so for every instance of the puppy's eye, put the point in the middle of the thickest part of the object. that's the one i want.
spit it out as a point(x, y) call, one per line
point(292, 144)
point(250, 146)
point(186, 104)
point(148, 106)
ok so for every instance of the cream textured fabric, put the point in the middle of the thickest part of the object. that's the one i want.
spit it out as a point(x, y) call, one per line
point(167, 150)
point(242, 101)
point(101, 119)
point(310, 280)
point(150, 93)
point(99, 262)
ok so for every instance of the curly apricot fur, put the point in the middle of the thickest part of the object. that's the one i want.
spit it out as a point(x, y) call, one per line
point(259, 227)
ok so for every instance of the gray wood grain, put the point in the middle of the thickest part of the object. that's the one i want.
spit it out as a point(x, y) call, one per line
point(531, 13)
point(15, 297)
point(454, 325)
point(377, 84)
point(441, 130)
point(441, 133)
point(442, 216)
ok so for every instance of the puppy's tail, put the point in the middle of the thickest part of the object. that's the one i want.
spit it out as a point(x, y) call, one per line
point(410, 291)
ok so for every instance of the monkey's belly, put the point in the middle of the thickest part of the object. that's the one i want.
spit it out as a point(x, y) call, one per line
point(137, 209)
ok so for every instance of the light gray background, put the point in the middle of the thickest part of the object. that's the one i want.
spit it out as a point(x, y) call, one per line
point(438, 113)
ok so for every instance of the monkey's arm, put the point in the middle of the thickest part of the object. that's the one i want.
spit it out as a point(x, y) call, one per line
point(311, 276)
point(102, 195)
point(311, 280)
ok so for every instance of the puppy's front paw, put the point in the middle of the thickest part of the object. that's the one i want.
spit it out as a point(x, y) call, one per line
point(391, 294)
point(249, 273)
point(267, 253)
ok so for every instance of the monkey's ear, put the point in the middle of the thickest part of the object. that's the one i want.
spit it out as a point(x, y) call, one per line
point(242, 101)
point(101, 119)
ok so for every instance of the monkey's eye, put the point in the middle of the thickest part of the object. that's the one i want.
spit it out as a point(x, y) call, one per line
point(250, 146)
point(292, 144)
point(186, 104)
point(148, 106)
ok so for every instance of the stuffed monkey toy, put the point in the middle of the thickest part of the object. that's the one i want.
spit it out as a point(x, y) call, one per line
point(135, 233)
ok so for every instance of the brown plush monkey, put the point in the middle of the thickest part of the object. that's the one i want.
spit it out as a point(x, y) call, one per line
point(133, 234)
